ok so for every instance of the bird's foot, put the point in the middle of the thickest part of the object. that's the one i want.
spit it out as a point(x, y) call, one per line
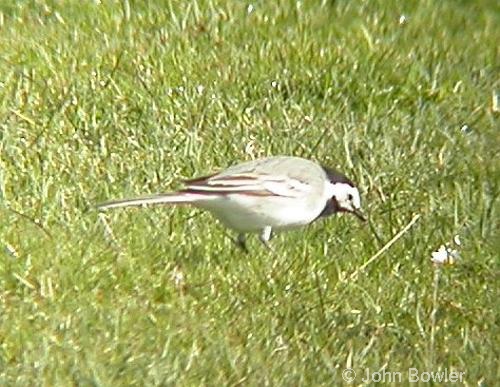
point(265, 236)
point(241, 242)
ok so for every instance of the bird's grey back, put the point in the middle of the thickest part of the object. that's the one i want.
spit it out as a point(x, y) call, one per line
point(294, 167)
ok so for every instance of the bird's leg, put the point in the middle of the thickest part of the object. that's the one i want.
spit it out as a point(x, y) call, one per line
point(266, 235)
point(241, 242)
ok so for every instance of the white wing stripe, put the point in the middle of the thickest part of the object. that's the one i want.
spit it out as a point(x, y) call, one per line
point(275, 186)
point(222, 189)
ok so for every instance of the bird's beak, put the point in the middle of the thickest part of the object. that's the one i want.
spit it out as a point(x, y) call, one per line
point(359, 214)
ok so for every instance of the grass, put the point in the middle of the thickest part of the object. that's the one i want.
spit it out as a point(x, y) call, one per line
point(101, 100)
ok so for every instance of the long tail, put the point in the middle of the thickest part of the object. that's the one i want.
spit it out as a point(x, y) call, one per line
point(168, 198)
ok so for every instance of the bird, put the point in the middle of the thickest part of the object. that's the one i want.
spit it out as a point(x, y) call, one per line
point(262, 196)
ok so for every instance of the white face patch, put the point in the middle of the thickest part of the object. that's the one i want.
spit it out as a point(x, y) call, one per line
point(346, 196)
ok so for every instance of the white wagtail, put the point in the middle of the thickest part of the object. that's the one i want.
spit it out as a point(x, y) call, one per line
point(259, 196)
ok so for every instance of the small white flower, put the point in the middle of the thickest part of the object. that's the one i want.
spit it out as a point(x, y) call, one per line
point(200, 89)
point(440, 256)
point(274, 84)
point(444, 256)
point(402, 20)
point(250, 9)
point(457, 240)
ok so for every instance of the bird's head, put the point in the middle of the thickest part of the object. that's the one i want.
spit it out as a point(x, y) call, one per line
point(344, 195)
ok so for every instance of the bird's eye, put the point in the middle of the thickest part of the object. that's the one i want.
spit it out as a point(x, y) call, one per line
point(350, 197)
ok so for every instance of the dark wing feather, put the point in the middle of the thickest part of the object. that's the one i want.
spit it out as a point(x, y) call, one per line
point(245, 183)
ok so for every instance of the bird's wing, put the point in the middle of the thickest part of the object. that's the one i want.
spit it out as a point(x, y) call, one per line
point(249, 183)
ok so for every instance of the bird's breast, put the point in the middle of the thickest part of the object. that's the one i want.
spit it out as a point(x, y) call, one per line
point(246, 213)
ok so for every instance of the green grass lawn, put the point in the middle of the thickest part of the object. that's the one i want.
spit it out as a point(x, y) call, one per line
point(109, 99)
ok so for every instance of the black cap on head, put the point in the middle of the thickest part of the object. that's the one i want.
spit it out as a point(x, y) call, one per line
point(337, 177)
